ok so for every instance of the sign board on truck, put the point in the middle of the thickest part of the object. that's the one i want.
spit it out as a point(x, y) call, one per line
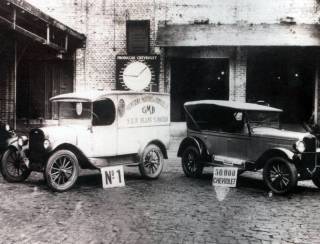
point(143, 110)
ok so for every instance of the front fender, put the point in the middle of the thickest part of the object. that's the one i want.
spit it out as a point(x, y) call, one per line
point(277, 151)
point(190, 141)
point(287, 152)
point(13, 142)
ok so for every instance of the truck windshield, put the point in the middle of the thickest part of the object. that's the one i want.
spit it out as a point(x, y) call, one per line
point(264, 119)
point(74, 112)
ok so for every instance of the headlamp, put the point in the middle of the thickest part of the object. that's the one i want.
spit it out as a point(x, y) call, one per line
point(46, 144)
point(300, 146)
point(7, 127)
point(22, 140)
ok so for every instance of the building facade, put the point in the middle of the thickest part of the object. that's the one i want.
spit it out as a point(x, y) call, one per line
point(36, 62)
point(246, 50)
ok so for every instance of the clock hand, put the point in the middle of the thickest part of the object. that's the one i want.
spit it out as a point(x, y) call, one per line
point(142, 71)
point(130, 75)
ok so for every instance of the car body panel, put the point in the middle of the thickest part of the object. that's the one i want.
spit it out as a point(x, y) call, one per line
point(245, 143)
point(140, 118)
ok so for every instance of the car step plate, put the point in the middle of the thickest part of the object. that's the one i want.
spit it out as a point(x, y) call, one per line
point(229, 160)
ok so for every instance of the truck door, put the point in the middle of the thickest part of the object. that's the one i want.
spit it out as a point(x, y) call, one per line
point(104, 128)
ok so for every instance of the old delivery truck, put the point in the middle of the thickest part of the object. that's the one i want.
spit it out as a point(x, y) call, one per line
point(94, 130)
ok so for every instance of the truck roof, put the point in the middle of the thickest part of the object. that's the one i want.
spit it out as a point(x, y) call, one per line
point(91, 96)
point(234, 105)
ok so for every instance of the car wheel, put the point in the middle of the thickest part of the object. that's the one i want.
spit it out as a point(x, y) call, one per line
point(316, 178)
point(13, 167)
point(280, 175)
point(190, 162)
point(152, 161)
point(62, 170)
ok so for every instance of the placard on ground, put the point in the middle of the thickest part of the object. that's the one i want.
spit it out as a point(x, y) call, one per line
point(112, 176)
point(225, 176)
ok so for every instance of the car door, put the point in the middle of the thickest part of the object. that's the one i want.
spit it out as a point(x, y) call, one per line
point(104, 128)
point(227, 135)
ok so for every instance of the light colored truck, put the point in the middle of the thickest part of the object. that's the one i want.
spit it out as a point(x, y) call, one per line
point(95, 130)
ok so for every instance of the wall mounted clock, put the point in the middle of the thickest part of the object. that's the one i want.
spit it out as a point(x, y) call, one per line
point(137, 73)
point(137, 76)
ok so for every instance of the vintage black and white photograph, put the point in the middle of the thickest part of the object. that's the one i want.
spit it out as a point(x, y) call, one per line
point(160, 121)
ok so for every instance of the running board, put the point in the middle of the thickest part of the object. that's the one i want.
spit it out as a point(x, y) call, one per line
point(113, 161)
point(218, 160)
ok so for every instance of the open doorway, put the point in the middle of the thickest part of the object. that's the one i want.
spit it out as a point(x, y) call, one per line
point(284, 78)
point(196, 79)
point(40, 76)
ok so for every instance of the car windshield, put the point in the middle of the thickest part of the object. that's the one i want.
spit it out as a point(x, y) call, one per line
point(264, 119)
point(74, 112)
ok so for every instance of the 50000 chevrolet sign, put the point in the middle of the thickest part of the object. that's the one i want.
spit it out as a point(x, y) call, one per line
point(225, 176)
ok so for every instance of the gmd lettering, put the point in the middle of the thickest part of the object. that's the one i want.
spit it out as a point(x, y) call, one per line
point(148, 109)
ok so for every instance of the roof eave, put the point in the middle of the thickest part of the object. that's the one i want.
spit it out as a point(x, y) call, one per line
point(39, 14)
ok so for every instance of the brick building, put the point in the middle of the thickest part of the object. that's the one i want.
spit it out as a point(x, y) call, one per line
point(238, 50)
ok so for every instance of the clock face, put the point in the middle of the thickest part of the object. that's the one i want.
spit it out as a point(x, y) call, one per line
point(137, 76)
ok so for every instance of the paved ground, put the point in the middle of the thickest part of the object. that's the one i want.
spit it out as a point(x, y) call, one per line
point(172, 209)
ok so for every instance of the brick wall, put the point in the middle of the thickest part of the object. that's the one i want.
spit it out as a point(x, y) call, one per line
point(103, 21)
point(251, 11)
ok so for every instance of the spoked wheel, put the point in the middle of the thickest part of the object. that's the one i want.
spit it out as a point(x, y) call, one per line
point(152, 162)
point(280, 175)
point(316, 178)
point(190, 162)
point(62, 170)
point(13, 167)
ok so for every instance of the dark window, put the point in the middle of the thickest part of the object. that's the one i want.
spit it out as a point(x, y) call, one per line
point(138, 34)
point(209, 117)
point(104, 112)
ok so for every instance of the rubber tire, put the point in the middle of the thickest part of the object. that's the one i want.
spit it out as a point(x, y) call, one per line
point(292, 170)
point(6, 175)
point(198, 167)
point(51, 160)
point(143, 170)
point(316, 178)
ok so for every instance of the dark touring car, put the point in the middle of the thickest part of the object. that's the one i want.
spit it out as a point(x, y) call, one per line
point(247, 136)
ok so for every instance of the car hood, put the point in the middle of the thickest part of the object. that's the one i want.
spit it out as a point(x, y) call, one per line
point(62, 134)
point(265, 131)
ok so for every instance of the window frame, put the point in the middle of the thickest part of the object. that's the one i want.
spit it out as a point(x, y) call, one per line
point(222, 113)
point(137, 22)
point(114, 110)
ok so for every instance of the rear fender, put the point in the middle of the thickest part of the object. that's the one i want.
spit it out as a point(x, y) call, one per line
point(158, 143)
point(274, 152)
point(192, 141)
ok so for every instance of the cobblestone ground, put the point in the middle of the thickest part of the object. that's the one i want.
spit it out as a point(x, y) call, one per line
point(172, 209)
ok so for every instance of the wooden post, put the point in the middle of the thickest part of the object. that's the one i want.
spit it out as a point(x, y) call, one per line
point(66, 43)
point(316, 92)
point(48, 34)
point(14, 18)
point(15, 83)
